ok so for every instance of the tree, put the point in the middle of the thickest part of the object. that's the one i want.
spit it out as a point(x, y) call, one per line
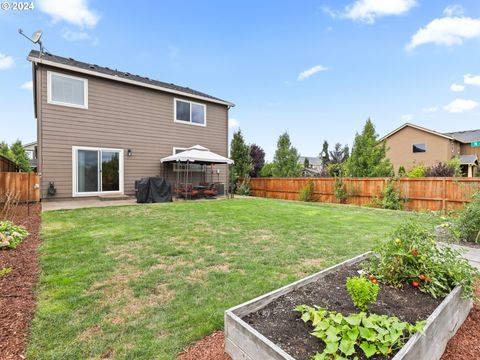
point(285, 161)
point(339, 154)
point(368, 158)
point(306, 163)
point(257, 154)
point(267, 170)
point(20, 156)
point(240, 154)
point(5, 150)
point(324, 156)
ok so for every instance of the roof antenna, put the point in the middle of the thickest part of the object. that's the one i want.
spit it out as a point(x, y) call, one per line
point(34, 39)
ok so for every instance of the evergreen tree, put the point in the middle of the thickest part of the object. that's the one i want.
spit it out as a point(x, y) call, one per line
point(5, 151)
point(257, 154)
point(368, 158)
point(346, 153)
point(324, 155)
point(20, 156)
point(240, 154)
point(285, 161)
point(306, 163)
point(338, 156)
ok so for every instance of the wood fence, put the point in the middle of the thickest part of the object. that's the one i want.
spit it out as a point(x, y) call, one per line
point(419, 193)
point(23, 186)
point(7, 164)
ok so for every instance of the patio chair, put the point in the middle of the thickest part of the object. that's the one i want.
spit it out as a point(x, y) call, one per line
point(212, 191)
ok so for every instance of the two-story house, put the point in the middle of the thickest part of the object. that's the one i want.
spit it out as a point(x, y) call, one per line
point(411, 145)
point(99, 129)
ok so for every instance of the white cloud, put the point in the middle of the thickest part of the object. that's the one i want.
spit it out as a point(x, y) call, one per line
point(233, 123)
point(460, 105)
point(447, 31)
point(430, 109)
point(309, 72)
point(6, 62)
point(457, 87)
point(70, 35)
point(407, 117)
point(368, 10)
point(328, 11)
point(27, 85)
point(74, 12)
point(470, 79)
point(453, 10)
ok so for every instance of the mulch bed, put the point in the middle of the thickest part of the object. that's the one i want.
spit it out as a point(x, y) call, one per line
point(17, 300)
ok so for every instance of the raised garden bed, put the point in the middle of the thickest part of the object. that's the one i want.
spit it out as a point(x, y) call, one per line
point(268, 328)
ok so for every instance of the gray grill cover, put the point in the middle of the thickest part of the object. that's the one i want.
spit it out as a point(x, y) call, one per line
point(153, 190)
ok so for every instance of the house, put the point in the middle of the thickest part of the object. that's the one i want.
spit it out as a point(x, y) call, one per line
point(314, 163)
point(411, 145)
point(99, 129)
point(31, 151)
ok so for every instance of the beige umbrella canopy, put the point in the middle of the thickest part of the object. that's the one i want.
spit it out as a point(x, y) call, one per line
point(197, 154)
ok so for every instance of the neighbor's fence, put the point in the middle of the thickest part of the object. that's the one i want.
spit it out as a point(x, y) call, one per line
point(420, 193)
point(23, 186)
point(7, 164)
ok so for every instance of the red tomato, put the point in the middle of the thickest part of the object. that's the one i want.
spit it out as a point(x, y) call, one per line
point(422, 277)
point(415, 283)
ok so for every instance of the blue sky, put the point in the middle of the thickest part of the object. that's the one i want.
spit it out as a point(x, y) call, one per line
point(317, 69)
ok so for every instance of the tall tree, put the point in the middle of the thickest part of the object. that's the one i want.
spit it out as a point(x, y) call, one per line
point(346, 153)
point(324, 155)
point(5, 151)
point(306, 163)
point(20, 156)
point(339, 154)
point(257, 154)
point(368, 158)
point(285, 161)
point(240, 154)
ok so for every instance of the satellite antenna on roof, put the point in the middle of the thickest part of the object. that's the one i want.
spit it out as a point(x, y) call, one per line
point(36, 36)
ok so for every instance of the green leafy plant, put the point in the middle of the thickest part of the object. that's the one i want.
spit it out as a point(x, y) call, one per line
point(468, 220)
point(391, 197)
point(4, 271)
point(346, 336)
point(11, 235)
point(362, 291)
point(340, 191)
point(417, 171)
point(306, 193)
point(412, 256)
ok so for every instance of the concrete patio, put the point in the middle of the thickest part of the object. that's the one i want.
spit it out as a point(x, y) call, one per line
point(68, 204)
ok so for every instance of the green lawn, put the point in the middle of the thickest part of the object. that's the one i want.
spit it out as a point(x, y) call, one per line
point(143, 282)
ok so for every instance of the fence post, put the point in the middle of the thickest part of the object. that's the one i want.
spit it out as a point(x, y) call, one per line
point(444, 195)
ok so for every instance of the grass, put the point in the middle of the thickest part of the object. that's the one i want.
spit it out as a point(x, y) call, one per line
point(144, 282)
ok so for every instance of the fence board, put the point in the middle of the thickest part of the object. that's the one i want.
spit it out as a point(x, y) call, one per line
point(24, 186)
point(421, 193)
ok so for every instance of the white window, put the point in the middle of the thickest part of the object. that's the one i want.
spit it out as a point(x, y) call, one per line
point(67, 90)
point(183, 167)
point(190, 112)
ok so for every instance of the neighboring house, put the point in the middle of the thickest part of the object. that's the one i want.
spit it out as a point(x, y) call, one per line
point(100, 129)
point(411, 145)
point(314, 162)
point(31, 150)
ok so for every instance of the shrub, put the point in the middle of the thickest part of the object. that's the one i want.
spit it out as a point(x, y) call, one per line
point(345, 336)
point(362, 291)
point(243, 187)
point(391, 197)
point(340, 191)
point(11, 235)
point(267, 170)
point(412, 256)
point(468, 221)
point(4, 271)
point(417, 171)
point(450, 168)
point(306, 193)
point(401, 171)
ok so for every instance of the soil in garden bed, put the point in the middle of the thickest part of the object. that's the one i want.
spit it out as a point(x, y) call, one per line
point(279, 323)
point(17, 299)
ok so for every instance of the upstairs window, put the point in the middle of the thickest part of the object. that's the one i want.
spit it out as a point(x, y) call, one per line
point(67, 90)
point(190, 112)
point(419, 148)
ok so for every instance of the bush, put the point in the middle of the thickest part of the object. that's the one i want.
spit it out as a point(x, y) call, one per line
point(401, 171)
point(362, 291)
point(412, 256)
point(306, 193)
point(340, 191)
point(450, 168)
point(468, 221)
point(417, 171)
point(391, 197)
point(11, 235)
point(243, 187)
point(267, 170)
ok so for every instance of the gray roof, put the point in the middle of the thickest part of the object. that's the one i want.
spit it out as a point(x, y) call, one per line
point(465, 136)
point(311, 159)
point(120, 74)
point(468, 159)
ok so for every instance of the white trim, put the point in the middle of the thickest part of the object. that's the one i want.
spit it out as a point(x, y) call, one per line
point(75, 193)
point(189, 122)
point(129, 81)
point(418, 128)
point(49, 90)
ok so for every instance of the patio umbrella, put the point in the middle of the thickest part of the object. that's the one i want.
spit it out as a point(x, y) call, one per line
point(197, 154)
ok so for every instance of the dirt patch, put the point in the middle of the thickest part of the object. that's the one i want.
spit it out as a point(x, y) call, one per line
point(209, 348)
point(279, 323)
point(202, 274)
point(17, 300)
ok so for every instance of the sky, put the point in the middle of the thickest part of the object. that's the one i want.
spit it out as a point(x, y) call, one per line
point(316, 69)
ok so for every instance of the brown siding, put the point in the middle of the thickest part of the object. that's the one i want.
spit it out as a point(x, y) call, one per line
point(400, 148)
point(467, 149)
point(120, 116)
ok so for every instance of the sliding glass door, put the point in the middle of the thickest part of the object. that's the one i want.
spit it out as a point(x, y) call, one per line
point(97, 171)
